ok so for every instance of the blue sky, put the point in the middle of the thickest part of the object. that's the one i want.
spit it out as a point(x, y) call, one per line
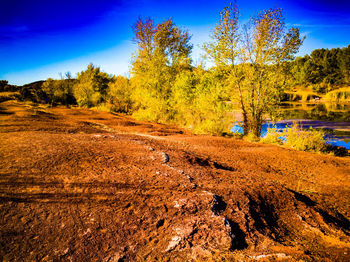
point(40, 39)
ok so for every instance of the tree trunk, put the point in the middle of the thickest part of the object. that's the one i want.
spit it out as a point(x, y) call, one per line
point(256, 129)
point(245, 123)
point(255, 125)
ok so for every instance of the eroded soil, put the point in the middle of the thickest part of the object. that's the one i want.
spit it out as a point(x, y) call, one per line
point(81, 185)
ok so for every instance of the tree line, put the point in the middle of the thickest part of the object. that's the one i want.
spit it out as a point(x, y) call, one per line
point(248, 66)
point(323, 69)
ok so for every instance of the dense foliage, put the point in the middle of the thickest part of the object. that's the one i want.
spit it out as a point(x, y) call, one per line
point(298, 138)
point(5, 87)
point(162, 54)
point(324, 69)
point(118, 95)
point(59, 91)
point(254, 55)
point(91, 86)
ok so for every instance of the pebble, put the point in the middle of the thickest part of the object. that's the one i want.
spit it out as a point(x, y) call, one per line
point(165, 157)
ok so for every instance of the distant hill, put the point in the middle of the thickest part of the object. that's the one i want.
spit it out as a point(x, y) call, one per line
point(33, 91)
point(36, 84)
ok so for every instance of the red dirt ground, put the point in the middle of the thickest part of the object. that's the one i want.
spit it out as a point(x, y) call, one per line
point(81, 185)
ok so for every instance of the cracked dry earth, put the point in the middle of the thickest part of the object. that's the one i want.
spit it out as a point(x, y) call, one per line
point(81, 185)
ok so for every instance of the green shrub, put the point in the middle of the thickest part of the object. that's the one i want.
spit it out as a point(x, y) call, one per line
point(58, 91)
point(103, 107)
point(235, 135)
point(273, 136)
point(119, 95)
point(305, 140)
point(251, 137)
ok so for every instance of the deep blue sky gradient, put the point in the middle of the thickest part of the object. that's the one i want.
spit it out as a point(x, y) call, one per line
point(40, 39)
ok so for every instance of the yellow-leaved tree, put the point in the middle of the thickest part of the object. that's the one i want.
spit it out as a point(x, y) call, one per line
point(200, 101)
point(162, 53)
point(119, 95)
point(254, 55)
point(91, 86)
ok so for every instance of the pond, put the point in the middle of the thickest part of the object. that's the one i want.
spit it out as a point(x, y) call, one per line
point(334, 119)
point(320, 111)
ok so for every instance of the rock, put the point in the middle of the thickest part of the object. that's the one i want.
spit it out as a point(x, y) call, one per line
point(165, 157)
point(184, 231)
point(173, 243)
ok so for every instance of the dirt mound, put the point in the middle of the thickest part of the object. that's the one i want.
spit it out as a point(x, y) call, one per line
point(81, 185)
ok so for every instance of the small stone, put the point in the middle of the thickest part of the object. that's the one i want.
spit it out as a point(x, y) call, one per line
point(173, 243)
point(184, 231)
point(165, 157)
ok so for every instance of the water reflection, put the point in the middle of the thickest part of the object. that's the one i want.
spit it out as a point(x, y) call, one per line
point(332, 137)
point(319, 111)
point(334, 119)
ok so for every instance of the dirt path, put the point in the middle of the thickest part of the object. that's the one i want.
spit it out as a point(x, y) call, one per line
point(80, 185)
